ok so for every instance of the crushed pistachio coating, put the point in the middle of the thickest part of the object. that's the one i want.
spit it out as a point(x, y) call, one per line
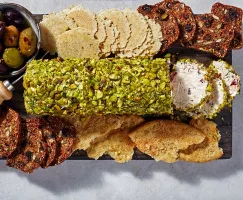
point(106, 86)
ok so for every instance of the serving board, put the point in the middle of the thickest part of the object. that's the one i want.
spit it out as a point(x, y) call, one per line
point(223, 120)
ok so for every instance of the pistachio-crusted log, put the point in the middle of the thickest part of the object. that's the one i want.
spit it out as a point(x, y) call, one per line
point(106, 86)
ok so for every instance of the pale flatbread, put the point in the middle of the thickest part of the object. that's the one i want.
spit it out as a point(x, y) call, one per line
point(139, 28)
point(115, 45)
point(51, 27)
point(142, 50)
point(120, 21)
point(110, 39)
point(207, 151)
point(95, 129)
point(118, 144)
point(157, 37)
point(100, 35)
point(84, 18)
point(77, 43)
point(164, 139)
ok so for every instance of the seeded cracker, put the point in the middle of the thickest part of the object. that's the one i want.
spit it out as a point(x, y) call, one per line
point(65, 136)
point(120, 21)
point(50, 139)
point(184, 17)
point(212, 35)
point(77, 43)
point(10, 128)
point(168, 23)
point(32, 149)
point(230, 14)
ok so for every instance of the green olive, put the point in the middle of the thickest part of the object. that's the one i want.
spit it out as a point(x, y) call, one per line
point(13, 58)
point(11, 36)
point(27, 42)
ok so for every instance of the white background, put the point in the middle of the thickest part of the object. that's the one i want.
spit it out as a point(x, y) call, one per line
point(88, 180)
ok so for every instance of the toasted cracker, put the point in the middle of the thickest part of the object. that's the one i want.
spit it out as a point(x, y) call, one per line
point(95, 129)
point(121, 23)
point(84, 18)
point(118, 144)
point(207, 151)
point(163, 139)
point(77, 43)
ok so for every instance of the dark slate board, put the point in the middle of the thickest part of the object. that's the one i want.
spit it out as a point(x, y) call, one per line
point(223, 120)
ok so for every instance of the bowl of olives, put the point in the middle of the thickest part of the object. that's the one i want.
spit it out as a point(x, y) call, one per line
point(19, 39)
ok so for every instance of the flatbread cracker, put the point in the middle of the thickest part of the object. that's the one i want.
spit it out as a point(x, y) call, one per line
point(139, 27)
point(118, 144)
point(78, 43)
point(156, 39)
point(84, 18)
point(207, 151)
point(164, 139)
point(100, 35)
point(52, 26)
point(121, 23)
point(110, 41)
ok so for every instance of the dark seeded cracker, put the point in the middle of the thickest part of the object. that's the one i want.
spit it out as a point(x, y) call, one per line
point(212, 35)
point(50, 139)
point(10, 129)
point(65, 136)
point(169, 27)
point(231, 15)
point(31, 150)
point(184, 17)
